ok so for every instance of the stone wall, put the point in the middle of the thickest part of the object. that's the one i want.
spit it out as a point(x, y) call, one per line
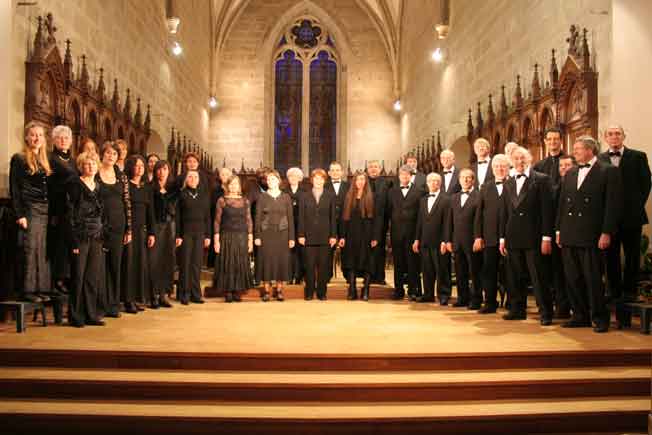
point(490, 42)
point(130, 41)
point(244, 83)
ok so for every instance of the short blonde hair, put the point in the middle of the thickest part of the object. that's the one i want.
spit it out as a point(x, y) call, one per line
point(482, 141)
point(86, 157)
point(295, 171)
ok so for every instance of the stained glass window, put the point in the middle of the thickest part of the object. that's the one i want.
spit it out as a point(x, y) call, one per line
point(323, 110)
point(287, 128)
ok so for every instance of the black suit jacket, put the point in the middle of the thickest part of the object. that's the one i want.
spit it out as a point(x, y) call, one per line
point(463, 219)
point(317, 221)
point(489, 178)
point(403, 212)
point(594, 209)
point(635, 176)
point(491, 217)
point(454, 185)
point(339, 200)
point(530, 214)
point(433, 227)
point(550, 167)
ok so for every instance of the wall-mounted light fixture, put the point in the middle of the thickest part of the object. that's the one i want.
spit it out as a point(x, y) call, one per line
point(438, 55)
point(212, 102)
point(176, 48)
point(397, 105)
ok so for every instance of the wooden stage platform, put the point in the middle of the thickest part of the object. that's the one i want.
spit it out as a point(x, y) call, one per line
point(323, 367)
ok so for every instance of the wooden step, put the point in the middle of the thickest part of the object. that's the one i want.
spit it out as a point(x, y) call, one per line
point(614, 414)
point(162, 360)
point(37, 383)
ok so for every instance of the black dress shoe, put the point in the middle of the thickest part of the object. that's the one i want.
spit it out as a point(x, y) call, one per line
point(307, 298)
point(322, 298)
point(562, 315)
point(545, 321)
point(131, 308)
point(514, 316)
point(601, 327)
point(459, 304)
point(425, 299)
point(576, 323)
point(197, 301)
point(113, 315)
point(443, 302)
point(237, 297)
point(155, 305)
point(30, 297)
point(76, 324)
point(140, 307)
point(487, 309)
point(95, 322)
point(228, 297)
point(474, 306)
point(398, 295)
point(184, 301)
point(164, 302)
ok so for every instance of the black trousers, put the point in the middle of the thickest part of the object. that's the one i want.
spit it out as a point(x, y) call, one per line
point(468, 264)
point(435, 270)
point(317, 269)
point(86, 267)
point(192, 255)
point(524, 262)
point(630, 241)
point(406, 267)
point(555, 270)
point(113, 272)
point(490, 275)
point(297, 262)
point(584, 268)
point(379, 255)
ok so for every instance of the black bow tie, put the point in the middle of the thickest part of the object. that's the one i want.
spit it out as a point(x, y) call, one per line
point(498, 183)
point(466, 192)
point(405, 187)
point(615, 153)
point(521, 175)
point(336, 182)
point(448, 172)
point(484, 162)
point(433, 195)
point(587, 165)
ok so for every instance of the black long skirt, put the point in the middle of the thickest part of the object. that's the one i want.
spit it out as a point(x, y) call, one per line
point(135, 271)
point(232, 267)
point(273, 257)
point(162, 259)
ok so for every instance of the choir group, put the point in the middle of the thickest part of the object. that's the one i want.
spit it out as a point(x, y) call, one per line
point(109, 229)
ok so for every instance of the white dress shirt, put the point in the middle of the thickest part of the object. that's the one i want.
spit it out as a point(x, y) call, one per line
point(465, 196)
point(482, 170)
point(432, 199)
point(615, 160)
point(405, 191)
point(583, 172)
point(499, 187)
point(520, 181)
point(448, 177)
point(336, 185)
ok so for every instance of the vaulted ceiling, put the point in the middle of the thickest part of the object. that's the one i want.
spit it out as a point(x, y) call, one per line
point(385, 14)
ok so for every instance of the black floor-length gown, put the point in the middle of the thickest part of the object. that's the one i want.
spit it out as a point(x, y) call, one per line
point(234, 225)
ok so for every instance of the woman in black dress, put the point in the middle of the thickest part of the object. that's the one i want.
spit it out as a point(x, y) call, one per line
point(317, 232)
point(274, 236)
point(233, 242)
point(193, 227)
point(357, 238)
point(162, 260)
point(294, 189)
point(114, 194)
point(63, 170)
point(28, 178)
point(136, 283)
point(86, 216)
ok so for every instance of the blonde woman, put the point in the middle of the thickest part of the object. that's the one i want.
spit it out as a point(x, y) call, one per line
point(28, 175)
point(233, 241)
point(86, 215)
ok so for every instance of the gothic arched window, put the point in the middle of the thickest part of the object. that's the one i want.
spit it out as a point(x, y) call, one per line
point(305, 97)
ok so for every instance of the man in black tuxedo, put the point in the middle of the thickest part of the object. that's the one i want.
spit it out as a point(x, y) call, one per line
point(489, 224)
point(550, 166)
point(379, 188)
point(465, 205)
point(339, 187)
point(528, 236)
point(635, 175)
point(417, 177)
point(450, 175)
point(590, 209)
point(482, 166)
point(432, 233)
point(402, 208)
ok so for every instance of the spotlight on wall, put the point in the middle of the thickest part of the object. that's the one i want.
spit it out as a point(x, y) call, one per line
point(177, 49)
point(397, 105)
point(438, 55)
point(212, 102)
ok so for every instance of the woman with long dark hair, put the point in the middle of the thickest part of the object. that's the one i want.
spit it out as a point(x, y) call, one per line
point(28, 178)
point(114, 194)
point(357, 239)
point(86, 215)
point(152, 159)
point(64, 169)
point(162, 258)
point(136, 265)
point(193, 228)
point(233, 242)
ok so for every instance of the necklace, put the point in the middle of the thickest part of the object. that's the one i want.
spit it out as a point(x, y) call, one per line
point(193, 195)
